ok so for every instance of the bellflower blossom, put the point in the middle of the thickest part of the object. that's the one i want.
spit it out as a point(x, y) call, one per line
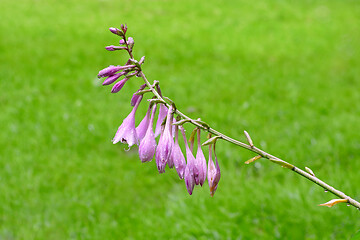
point(189, 169)
point(148, 143)
point(135, 97)
point(162, 114)
point(177, 157)
point(143, 126)
point(166, 143)
point(200, 161)
point(126, 133)
point(213, 172)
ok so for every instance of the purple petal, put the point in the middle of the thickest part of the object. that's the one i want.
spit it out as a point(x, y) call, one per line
point(165, 146)
point(177, 156)
point(201, 161)
point(143, 126)
point(126, 133)
point(189, 174)
point(162, 114)
point(148, 143)
point(136, 97)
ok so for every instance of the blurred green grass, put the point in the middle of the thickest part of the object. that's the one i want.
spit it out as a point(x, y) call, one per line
point(286, 71)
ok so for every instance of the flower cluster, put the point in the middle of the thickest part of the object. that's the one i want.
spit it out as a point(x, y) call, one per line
point(166, 151)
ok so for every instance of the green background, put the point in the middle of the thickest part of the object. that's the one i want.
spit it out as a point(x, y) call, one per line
point(288, 72)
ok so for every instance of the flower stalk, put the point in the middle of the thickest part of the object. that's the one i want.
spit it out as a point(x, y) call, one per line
point(182, 119)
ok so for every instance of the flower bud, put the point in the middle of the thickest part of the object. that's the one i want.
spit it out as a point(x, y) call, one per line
point(130, 42)
point(109, 71)
point(121, 41)
point(116, 31)
point(189, 169)
point(113, 78)
point(148, 143)
point(126, 133)
point(118, 86)
point(114, 48)
point(165, 146)
point(124, 28)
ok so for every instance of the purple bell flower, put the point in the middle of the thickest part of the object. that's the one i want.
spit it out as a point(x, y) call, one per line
point(213, 172)
point(162, 114)
point(136, 97)
point(165, 146)
point(143, 126)
point(126, 133)
point(189, 169)
point(200, 161)
point(177, 157)
point(148, 143)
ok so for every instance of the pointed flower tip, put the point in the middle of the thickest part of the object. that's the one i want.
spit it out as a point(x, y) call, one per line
point(118, 86)
point(116, 31)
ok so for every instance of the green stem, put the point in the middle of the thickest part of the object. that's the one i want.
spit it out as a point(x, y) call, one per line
point(254, 149)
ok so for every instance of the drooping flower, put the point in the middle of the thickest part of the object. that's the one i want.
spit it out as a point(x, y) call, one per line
point(162, 114)
point(148, 143)
point(200, 161)
point(143, 125)
point(126, 133)
point(165, 146)
point(196, 165)
point(213, 172)
point(189, 169)
point(177, 157)
point(136, 97)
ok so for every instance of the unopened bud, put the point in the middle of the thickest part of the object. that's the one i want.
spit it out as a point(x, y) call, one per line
point(114, 48)
point(130, 42)
point(124, 27)
point(116, 31)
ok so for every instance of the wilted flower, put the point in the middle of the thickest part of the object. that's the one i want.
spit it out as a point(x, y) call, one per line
point(148, 143)
point(177, 157)
point(162, 114)
point(165, 146)
point(213, 172)
point(126, 133)
point(143, 126)
point(189, 169)
point(200, 161)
